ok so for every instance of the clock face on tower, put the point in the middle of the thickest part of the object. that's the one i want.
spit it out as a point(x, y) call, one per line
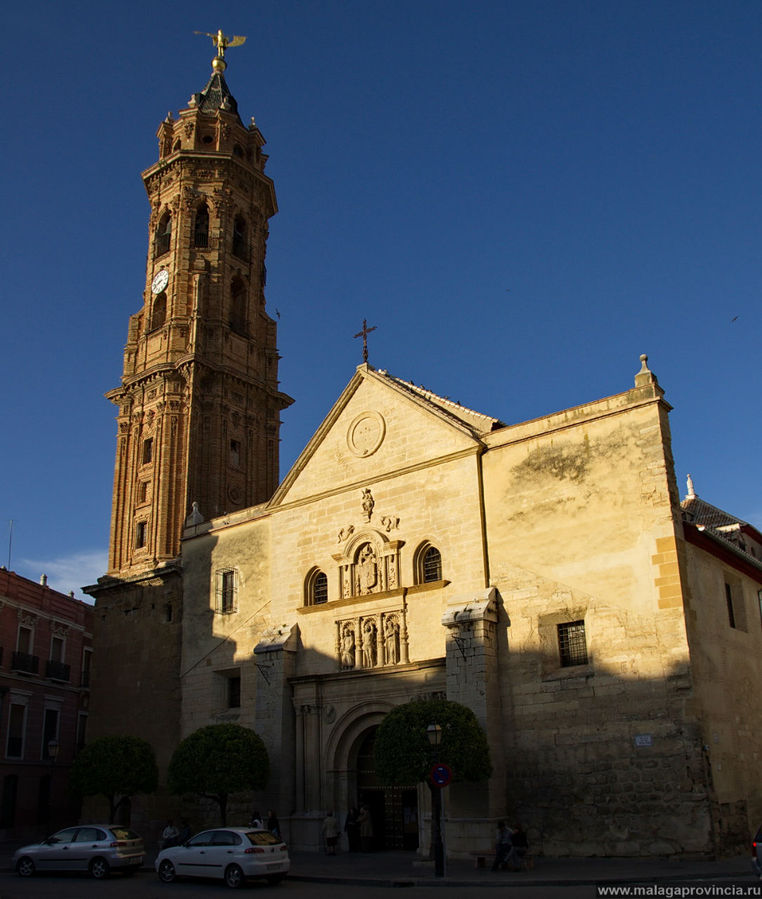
point(160, 281)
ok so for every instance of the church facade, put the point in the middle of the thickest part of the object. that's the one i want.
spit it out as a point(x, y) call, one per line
point(545, 573)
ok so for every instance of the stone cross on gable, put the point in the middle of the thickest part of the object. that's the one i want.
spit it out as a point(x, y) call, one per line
point(364, 334)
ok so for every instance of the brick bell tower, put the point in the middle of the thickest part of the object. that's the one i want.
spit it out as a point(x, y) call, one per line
point(199, 407)
point(199, 404)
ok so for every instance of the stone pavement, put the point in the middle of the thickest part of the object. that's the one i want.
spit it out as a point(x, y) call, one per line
point(405, 868)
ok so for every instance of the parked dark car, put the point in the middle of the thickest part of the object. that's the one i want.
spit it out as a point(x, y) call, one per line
point(756, 853)
point(96, 848)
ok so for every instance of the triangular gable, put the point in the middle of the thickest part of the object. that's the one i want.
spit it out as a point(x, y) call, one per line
point(377, 426)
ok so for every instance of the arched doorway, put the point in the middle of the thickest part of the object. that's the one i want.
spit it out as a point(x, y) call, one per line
point(393, 810)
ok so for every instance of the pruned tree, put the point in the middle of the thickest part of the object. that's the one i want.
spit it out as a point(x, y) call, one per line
point(116, 767)
point(219, 760)
point(404, 753)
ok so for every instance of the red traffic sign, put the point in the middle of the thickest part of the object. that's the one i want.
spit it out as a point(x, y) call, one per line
point(440, 774)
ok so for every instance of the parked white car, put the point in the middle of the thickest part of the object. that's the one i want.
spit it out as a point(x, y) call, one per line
point(232, 854)
point(97, 848)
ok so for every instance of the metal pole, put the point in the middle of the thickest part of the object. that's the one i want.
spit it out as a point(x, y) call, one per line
point(436, 830)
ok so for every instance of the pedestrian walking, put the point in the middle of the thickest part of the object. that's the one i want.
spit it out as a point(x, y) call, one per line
point(330, 830)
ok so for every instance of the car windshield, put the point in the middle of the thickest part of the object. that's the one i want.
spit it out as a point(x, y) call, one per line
point(262, 838)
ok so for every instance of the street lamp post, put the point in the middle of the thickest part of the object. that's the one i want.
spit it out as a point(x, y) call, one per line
point(438, 778)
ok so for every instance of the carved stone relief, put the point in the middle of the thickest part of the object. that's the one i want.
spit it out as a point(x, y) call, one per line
point(366, 434)
point(369, 563)
point(372, 641)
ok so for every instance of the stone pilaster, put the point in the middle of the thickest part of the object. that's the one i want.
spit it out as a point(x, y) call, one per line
point(472, 680)
point(275, 658)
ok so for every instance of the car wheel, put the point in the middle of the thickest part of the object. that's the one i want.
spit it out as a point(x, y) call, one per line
point(99, 868)
point(167, 871)
point(234, 876)
point(276, 878)
point(25, 866)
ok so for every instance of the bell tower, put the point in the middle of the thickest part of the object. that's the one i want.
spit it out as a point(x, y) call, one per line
point(199, 403)
point(199, 407)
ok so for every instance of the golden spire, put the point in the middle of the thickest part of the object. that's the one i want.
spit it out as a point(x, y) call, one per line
point(222, 42)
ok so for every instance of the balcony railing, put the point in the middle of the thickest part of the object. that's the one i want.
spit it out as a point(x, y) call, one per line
point(22, 661)
point(57, 670)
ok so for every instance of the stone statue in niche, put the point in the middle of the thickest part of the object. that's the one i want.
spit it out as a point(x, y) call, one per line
point(367, 570)
point(369, 644)
point(367, 503)
point(348, 647)
point(391, 641)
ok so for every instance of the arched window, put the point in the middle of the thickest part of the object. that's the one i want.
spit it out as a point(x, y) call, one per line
point(238, 306)
point(164, 234)
point(159, 311)
point(240, 242)
point(316, 588)
point(201, 227)
point(428, 564)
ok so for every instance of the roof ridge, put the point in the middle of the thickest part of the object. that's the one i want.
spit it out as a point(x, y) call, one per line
point(450, 407)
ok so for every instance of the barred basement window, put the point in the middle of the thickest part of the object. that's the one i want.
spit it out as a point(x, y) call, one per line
point(572, 646)
point(226, 591)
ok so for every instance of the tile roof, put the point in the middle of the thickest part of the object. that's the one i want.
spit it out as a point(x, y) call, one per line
point(477, 422)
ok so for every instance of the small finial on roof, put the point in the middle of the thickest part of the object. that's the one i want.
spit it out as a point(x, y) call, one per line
point(691, 491)
point(645, 376)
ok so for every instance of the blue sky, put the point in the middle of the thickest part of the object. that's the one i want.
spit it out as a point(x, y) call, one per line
point(521, 196)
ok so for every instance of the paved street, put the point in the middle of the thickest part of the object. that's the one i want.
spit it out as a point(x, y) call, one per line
point(383, 875)
point(146, 886)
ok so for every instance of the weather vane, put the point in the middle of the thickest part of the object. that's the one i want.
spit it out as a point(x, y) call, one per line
point(222, 41)
point(364, 334)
